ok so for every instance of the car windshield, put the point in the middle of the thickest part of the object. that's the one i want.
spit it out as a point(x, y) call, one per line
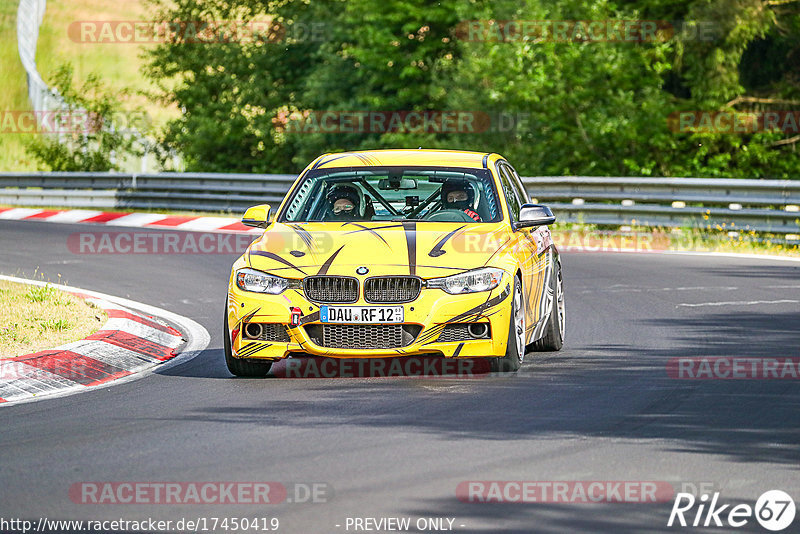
point(386, 194)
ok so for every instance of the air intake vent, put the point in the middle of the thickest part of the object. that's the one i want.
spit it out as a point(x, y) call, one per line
point(338, 289)
point(392, 289)
point(363, 337)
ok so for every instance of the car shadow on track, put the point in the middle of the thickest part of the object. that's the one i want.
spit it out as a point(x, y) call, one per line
point(608, 391)
point(790, 271)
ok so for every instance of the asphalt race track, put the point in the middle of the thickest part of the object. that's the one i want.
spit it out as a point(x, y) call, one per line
point(604, 408)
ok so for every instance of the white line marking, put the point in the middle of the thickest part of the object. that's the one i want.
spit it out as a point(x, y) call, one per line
point(207, 223)
point(19, 213)
point(642, 289)
point(111, 354)
point(741, 303)
point(137, 219)
point(25, 381)
point(72, 216)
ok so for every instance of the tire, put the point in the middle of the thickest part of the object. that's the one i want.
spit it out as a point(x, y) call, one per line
point(515, 348)
point(241, 367)
point(553, 338)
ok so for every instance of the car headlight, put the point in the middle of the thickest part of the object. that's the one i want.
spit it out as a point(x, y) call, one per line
point(259, 282)
point(469, 282)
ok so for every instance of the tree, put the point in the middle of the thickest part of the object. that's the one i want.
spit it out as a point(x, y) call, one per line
point(83, 136)
point(574, 106)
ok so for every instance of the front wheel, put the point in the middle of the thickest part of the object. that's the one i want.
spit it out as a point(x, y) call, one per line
point(241, 367)
point(515, 348)
point(553, 338)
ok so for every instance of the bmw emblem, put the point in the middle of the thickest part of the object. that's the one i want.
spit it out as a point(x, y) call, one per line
point(362, 270)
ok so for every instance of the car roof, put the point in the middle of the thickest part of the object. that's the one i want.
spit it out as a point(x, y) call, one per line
point(396, 157)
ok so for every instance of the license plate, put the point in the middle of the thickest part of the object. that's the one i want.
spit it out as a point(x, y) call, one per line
point(361, 314)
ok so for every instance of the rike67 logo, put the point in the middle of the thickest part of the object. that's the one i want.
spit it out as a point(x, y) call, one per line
point(774, 510)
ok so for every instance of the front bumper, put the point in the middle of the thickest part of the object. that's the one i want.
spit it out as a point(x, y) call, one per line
point(432, 311)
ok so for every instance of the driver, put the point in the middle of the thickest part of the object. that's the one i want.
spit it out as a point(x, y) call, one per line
point(459, 196)
point(344, 202)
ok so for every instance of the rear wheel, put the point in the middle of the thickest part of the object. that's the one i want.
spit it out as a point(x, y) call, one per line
point(553, 338)
point(241, 367)
point(515, 348)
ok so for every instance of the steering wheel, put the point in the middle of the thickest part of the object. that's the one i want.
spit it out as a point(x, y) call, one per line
point(449, 216)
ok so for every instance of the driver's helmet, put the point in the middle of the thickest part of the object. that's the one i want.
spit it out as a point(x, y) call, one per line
point(458, 195)
point(344, 201)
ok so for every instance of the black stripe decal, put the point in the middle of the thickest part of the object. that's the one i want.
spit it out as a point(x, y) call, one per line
point(367, 229)
point(431, 333)
point(333, 158)
point(329, 261)
point(252, 348)
point(498, 250)
point(437, 251)
point(246, 318)
point(476, 311)
point(277, 258)
point(304, 235)
point(410, 229)
point(480, 307)
point(376, 228)
point(458, 349)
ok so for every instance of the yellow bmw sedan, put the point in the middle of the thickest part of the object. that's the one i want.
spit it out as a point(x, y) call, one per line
point(393, 253)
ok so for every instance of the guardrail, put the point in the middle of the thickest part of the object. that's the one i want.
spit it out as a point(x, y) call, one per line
point(760, 205)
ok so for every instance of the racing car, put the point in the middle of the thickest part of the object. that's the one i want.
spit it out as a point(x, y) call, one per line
point(395, 253)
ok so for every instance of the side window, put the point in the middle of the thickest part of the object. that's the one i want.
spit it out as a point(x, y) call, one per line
point(525, 198)
point(506, 179)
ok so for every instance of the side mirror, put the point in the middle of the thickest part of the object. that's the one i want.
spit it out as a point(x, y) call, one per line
point(257, 216)
point(531, 215)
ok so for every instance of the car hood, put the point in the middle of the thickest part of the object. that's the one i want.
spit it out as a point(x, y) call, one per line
point(425, 249)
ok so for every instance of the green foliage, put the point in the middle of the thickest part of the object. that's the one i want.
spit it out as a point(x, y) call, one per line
point(85, 138)
point(581, 107)
point(40, 293)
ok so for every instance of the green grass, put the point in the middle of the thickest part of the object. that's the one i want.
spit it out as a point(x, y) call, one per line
point(35, 318)
point(40, 293)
